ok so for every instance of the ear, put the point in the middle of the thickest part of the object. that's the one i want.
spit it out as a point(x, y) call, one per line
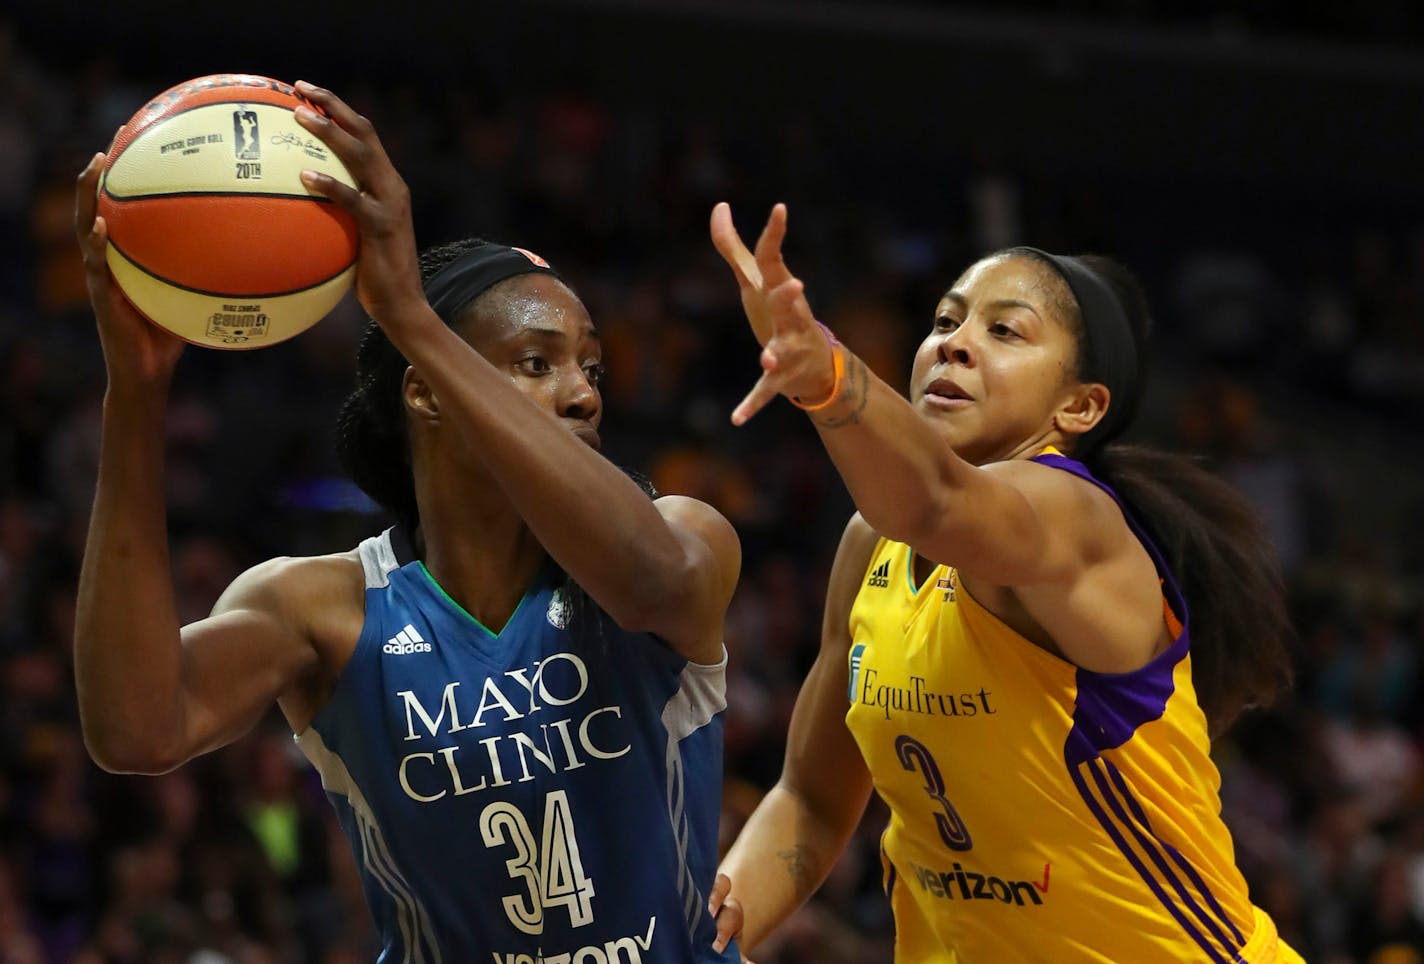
point(419, 400)
point(1084, 407)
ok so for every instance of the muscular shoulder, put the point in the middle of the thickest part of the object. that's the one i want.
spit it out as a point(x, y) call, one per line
point(693, 513)
point(1098, 600)
point(1082, 521)
point(303, 592)
point(317, 602)
point(711, 529)
point(1050, 486)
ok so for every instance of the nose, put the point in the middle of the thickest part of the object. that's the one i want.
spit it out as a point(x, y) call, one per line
point(578, 396)
point(957, 347)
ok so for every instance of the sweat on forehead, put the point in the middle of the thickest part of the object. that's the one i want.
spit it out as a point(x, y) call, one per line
point(524, 300)
point(478, 268)
point(499, 296)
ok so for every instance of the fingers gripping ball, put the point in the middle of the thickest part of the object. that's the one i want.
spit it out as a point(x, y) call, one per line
point(212, 234)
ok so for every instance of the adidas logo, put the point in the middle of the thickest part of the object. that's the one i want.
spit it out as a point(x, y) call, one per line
point(880, 578)
point(406, 641)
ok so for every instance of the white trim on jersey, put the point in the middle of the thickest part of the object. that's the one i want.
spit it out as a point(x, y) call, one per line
point(378, 559)
point(416, 931)
point(701, 695)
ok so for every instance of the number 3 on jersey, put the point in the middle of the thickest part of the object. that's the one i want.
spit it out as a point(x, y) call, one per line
point(557, 879)
point(914, 755)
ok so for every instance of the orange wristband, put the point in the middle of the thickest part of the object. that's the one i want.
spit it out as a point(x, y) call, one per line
point(837, 367)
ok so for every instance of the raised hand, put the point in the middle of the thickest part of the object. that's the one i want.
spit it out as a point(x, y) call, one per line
point(134, 348)
point(388, 275)
point(752, 278)
point(797, 358)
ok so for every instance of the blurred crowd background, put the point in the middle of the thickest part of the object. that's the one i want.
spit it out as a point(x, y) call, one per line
point(1257, 163)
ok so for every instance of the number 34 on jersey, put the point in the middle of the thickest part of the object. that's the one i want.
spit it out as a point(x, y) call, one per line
point(550, 871)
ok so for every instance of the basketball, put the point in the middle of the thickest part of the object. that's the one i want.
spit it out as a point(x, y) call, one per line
point(212, 234)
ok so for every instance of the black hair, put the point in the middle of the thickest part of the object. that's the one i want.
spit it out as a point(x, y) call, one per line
point(371, 438)
point(1214, 542)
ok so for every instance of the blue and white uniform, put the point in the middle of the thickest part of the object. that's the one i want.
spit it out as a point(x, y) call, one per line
point(547, 794)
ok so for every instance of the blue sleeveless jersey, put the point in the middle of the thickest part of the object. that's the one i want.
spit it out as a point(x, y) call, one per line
point(548, 794)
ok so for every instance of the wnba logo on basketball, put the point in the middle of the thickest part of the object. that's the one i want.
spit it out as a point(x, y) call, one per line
point(244, 134)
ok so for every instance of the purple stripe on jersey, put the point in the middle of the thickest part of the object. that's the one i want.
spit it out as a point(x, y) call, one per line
point(1111, 706)
point(1112, 830)
point(1109, 709)
point(1176, 855)
point(1150, 847)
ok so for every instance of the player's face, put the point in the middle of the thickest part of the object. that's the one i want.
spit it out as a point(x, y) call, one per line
point(998, 362)
point(543, 339)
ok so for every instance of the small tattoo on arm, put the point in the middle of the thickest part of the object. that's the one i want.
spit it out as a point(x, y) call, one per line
point(854, 397)
point(797, 864)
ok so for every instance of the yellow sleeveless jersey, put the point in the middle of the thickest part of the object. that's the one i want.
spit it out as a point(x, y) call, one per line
point(1039, 811)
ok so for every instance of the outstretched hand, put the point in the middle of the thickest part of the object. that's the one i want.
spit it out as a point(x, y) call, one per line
point(388, 275)
point(796, 357)
point(134, 348)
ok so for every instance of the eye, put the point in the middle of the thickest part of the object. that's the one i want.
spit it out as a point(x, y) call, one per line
point(1002, 330)
point(946, 323)
point(533, 365)
point(595, 373)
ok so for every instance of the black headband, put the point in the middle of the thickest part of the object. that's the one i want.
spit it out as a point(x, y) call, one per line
point(1112, 349)
point(472, 274)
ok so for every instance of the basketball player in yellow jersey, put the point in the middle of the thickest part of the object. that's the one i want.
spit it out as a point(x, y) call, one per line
point(1030, 634)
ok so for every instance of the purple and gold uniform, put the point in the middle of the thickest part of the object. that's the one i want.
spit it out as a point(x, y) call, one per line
point(1040, 811)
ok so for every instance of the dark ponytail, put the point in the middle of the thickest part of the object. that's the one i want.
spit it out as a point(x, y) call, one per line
point(1224, 562)
point(371, 438)
point(1214, 542)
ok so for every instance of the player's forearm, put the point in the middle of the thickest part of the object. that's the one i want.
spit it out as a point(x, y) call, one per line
point(126, 641)
point(903, 476)
point(779, 860)
point(584, 510)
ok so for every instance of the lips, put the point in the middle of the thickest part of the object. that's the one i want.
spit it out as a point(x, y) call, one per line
point(588, 435)
point(948, 390)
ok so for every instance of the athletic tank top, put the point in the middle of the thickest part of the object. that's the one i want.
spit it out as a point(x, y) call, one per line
point(1039, 811)
point(549, 793)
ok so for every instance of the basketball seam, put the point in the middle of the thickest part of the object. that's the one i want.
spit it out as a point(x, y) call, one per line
point(125, 198)
point(224, 294)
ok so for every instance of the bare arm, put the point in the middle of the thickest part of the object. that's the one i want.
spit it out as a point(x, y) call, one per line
point(795, 836)
point(905, 479)
point(150, 696)
point(1058, 547)
point(677, 563)
point(996, 522)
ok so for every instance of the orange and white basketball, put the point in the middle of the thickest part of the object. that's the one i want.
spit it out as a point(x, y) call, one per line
point(212, 234)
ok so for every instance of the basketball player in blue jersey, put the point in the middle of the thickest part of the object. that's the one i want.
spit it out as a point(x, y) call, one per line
point(1030, 634)
point(513, 696)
